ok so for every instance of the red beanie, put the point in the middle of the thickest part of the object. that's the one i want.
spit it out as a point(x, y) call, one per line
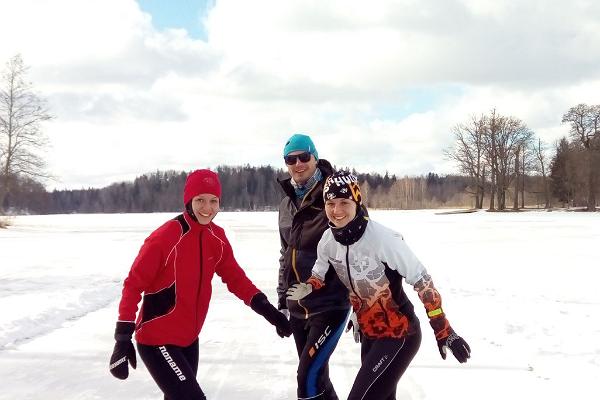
point(199, 182)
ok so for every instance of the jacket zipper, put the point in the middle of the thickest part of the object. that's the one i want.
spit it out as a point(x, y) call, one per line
point(294, 264)
point(294, 250)
point(306, 195)
point(200, 282)
point(298, 279)
point(350, 276)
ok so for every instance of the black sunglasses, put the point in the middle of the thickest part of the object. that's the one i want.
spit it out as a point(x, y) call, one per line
point(303, 157)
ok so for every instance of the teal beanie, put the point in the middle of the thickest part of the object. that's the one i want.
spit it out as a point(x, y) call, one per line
point(300, 142)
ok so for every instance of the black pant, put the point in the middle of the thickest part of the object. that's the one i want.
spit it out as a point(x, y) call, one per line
point(384, 361)
point(316, 339)
point(174, 369)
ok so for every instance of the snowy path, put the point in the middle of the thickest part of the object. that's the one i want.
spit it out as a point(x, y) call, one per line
point(531, 323)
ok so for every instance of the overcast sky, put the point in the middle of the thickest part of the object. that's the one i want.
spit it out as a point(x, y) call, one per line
point(136, 86)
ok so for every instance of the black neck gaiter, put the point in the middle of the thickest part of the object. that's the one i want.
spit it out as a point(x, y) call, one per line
point(353, 231)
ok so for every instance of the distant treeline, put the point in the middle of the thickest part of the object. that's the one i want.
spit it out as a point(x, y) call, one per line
point(244, 188)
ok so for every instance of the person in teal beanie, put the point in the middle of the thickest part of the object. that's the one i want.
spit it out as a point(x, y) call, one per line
point(305, 173)
point(319, 318)
point(302, 142)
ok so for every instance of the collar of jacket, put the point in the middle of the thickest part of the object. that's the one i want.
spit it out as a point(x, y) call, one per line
point(353, 231)
point(288, 189)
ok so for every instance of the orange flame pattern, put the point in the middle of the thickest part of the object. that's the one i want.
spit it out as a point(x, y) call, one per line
point(432, 300)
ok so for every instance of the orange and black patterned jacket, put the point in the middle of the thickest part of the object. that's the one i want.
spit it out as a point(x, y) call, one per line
point(372, 269)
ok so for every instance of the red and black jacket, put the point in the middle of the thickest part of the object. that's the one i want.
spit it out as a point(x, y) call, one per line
point(173, 271)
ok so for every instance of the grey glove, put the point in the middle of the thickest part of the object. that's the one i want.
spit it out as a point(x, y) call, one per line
point(299, 291)
point(353, 324)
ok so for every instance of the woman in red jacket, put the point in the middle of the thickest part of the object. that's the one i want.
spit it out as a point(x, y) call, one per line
point(173, 271)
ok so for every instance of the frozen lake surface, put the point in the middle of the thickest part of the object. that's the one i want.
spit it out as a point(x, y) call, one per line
point(521, 288)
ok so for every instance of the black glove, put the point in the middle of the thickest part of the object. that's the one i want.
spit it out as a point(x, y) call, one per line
point(457, 346)
point(261, 305)
point(124, 351)
point(286, 314)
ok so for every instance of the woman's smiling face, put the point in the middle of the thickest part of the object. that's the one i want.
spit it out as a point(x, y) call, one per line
point(205, 207)
point(340, 211)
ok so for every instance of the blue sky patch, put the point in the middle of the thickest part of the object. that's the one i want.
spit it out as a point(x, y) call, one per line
point(182, 14)
point(417, 100)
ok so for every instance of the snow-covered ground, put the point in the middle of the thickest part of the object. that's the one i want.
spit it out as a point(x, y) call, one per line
point(520, 287)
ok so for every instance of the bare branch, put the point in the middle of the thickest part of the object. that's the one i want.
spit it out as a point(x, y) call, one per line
point(21, 114)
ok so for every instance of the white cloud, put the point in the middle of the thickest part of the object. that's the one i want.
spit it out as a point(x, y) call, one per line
point(378, 85)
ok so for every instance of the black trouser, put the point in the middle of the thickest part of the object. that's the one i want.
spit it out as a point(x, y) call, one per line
point(384, 361)
point(174, 370)
point(316, 339)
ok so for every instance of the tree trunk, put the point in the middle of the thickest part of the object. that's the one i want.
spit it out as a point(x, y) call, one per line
point(4, 188)
point(523, 181)
point(516, 197)
point(2, 197)
point(492, 192)
point(591, 204)
point(546, 192)
point(480, 188)
point(499, 191)
point(479, 197)
point(482, 181)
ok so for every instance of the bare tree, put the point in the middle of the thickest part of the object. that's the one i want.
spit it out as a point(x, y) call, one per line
point(468, 152)
point(517, 169)
point(524, 164)
point(21, 137)
point(540, 153)
point(491, 153)
point(584, 124)
point(513, 136)
point(528, 165)
point(504, 135)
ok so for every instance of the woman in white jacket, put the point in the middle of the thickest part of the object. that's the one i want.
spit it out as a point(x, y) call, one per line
point(371, 260)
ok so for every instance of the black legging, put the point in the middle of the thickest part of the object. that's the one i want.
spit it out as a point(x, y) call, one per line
point(174, 369)
point(316, 339)
point(384, 361)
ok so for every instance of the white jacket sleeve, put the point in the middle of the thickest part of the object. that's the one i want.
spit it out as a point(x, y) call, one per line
point(322, 264)
point(398, 256)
